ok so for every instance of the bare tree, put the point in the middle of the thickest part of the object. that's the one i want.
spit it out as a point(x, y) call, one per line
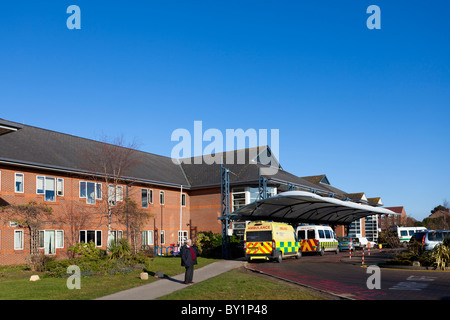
point(75, 216)
point(112, 161)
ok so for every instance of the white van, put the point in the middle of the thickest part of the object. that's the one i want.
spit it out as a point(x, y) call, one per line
point(318, 239)
point(405, 233)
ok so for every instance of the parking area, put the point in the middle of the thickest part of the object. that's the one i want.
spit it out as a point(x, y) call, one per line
point(348, 278)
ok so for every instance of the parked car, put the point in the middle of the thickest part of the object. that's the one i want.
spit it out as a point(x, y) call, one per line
point(363, 242)
point(345, 243)
point(430, 238)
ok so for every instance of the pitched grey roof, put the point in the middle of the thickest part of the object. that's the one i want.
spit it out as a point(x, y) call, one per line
point(43, 148)
point(58, 151)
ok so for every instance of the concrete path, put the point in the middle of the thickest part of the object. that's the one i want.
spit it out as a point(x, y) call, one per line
point(165, 286)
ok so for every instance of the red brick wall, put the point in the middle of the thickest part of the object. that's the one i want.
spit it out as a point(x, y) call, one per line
point(165, 217)
point(205, 209)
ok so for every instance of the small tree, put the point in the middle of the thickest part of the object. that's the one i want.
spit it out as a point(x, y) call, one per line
point(136, 219)
point(76, 218)
point(31, 216)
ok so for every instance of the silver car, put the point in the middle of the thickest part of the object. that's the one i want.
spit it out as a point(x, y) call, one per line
point(430, 238)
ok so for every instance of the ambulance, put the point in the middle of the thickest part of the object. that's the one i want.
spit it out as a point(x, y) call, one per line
point(270, 241)
point(317, 239)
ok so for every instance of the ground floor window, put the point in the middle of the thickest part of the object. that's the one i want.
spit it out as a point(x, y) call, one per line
point(163, 237)
point(147, 238)
point(182, 236)
point(94, 236)
point(114, 236)
point(18, 239)
point(49, 240)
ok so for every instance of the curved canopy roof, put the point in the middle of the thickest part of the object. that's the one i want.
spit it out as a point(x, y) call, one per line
point(306, 207)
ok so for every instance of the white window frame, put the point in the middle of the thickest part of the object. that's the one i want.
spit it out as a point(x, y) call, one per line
point(163, 194)
point(115, 194)
point(149, 236)
point(22, 242)
point(183, 196)
point(182, 236)
point(162, 236)
point(150, 198)
point(95, 238)
point(57, 246)
point(97, 196)
point(15, 182)
point(61, 180)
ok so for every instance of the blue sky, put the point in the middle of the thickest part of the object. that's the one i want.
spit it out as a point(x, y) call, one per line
point(369, 108)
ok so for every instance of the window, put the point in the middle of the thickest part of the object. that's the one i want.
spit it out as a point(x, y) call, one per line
point(60, 187)
point(182, 236)
point(114, 236)
point(98, 191)
point(18, 182)
point(49, 242)
point(115, 194)
point(183, 199)
point(321, 234)
point(238, 198)
point(95, 236)
point(163, 237)
point(147, 238)
point(47, 187)
point(111, 195)
point(301, 234)
point(18, 239)
point(91, 191)
point(327, 234)
point(161, 197)
point(40, 185)
point(82, 189)
point(257, 236)
point(144, 198)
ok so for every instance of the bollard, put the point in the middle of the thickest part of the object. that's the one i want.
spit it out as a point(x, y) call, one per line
point(350, 250)
point(368, 248)
point(362, 262)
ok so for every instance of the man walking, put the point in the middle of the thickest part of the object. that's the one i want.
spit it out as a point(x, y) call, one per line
point(188, 260)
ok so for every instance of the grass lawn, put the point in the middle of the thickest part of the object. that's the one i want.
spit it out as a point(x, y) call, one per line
point(15, 284)
point(241, 284)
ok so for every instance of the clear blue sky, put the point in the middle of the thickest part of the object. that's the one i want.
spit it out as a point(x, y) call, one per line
point(369, 108)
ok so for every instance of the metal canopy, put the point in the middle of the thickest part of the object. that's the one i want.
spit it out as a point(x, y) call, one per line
point(306, 207)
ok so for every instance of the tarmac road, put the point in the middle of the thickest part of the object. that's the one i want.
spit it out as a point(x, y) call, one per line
point(348, 278)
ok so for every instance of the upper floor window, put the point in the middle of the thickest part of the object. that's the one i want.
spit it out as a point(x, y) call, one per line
point(50, 187)
point(115, 193)
point(183, 199)
point(91, 191)
point(18, 182)
point(161, 197)
point(146, 197)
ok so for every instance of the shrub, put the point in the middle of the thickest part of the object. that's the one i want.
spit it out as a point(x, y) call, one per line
point(119, 249)
point(441, 253)
point(209, 245)
point(87, 250)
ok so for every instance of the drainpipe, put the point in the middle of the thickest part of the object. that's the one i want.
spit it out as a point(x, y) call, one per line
point(181, 209)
